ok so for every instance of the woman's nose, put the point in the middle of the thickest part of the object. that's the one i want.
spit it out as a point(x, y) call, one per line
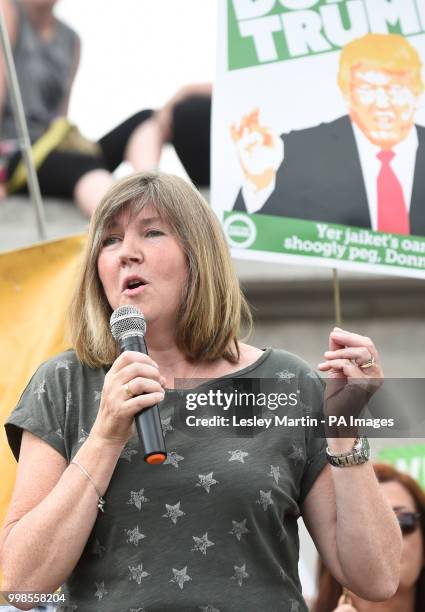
point(131, 249)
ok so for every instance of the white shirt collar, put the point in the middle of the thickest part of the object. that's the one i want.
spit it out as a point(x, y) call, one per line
point(403, 166)
point(367, 147)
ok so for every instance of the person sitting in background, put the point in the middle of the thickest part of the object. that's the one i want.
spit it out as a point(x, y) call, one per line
point(46, 54)
point(408, 502)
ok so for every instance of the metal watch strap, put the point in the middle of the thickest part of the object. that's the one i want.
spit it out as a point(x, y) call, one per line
point(360, 453)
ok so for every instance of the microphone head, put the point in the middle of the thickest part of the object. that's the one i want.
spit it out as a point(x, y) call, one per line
point(127, 321)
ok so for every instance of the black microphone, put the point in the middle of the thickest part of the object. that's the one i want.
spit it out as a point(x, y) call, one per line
point(128, 327)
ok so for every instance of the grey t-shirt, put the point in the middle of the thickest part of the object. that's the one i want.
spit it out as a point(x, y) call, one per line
point(212, 529)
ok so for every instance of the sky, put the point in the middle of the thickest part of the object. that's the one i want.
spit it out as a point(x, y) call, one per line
point(135, 55)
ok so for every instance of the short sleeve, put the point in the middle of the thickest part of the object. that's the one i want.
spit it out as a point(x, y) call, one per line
point(315, 442)
point(40, 410)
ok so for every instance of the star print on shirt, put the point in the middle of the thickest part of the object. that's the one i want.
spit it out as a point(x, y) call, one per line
point(208, 608)
point(137, 498)
point(137, 573)
point(240, 574)
point(98, 549)
point(180, 577)
point(59, 433)
point(97, 396)
point(295, 605)
point(238, 455)
point(134, 535)
point(265, 499)
point(173, 459)
point(41, 388)
point(202, 543)
point(206, 481)
point(173, 512)
point(127, 453)
point(297, 454)
point(63, 364)
point(101, 591)
point(239, 529)
point(285, 376)
point(275, 473)
point(166, 425)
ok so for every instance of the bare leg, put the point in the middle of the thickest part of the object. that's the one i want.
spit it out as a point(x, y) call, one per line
point(90, 189)
point(145, 145)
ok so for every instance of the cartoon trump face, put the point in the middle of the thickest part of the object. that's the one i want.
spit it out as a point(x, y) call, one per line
point(380, 78)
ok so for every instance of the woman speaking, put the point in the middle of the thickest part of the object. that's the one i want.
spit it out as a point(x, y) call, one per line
point(214, 528)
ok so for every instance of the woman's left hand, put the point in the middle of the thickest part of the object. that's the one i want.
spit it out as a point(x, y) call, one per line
point(351, 356)
point(354, 375)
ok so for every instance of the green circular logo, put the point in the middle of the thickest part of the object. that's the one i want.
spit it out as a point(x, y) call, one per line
point(240, 231)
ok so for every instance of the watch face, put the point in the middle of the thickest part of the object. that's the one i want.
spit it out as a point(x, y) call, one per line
point(365, 448)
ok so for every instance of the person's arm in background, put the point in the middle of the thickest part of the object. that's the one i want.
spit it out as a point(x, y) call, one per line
point(145, 145)
point(11, 23)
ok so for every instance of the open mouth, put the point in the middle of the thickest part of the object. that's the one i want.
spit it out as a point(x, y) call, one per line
point(133, 285)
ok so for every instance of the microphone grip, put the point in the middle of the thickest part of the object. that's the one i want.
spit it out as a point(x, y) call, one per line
point(148, 421)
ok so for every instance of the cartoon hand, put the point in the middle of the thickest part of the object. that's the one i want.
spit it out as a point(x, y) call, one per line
point(260, 151)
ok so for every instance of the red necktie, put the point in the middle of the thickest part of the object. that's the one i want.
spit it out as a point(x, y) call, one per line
point(392, 213)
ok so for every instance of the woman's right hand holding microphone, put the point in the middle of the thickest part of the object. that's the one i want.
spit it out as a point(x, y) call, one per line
point(132, 384)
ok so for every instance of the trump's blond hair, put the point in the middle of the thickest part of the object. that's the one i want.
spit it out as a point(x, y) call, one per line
point(390, 52)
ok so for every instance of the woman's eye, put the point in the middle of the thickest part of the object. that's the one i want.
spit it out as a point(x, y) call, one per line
point(110, 240)
point(153, 233)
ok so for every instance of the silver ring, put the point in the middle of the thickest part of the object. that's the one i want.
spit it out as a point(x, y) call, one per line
point(128, 390)
point(367, 364)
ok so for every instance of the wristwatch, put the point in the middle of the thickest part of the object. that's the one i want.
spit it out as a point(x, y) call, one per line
point(360, 453)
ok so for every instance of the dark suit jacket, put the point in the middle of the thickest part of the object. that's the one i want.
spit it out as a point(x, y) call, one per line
point(321, 179)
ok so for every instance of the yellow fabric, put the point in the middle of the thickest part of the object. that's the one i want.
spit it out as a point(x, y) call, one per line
point(61, 135)
point(36, 284)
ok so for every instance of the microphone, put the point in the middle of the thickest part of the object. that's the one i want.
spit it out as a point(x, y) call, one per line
point(128, 327)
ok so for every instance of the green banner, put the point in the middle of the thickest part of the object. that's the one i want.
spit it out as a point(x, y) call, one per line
point(407, 459)
point(323, 240)
point(264, 31)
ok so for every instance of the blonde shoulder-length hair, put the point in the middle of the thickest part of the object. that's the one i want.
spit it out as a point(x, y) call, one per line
point(212, 307)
